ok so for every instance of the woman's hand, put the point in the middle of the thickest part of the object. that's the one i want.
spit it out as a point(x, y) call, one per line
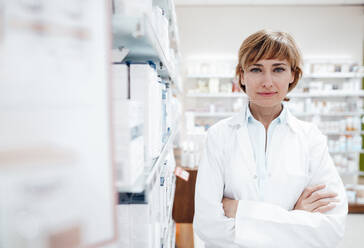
point(313, 201)
point(230, 207)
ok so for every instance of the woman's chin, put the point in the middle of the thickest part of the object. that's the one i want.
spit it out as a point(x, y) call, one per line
point(266, 102)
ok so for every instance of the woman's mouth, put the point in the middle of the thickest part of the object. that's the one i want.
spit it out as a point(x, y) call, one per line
point(267, 93)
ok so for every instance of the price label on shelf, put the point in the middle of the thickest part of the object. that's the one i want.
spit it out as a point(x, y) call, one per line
point(181, 173)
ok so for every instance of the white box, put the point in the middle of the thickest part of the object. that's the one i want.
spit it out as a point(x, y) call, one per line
point(145, 87)
point(137, 227)
point(128, 140)
point(120, 84)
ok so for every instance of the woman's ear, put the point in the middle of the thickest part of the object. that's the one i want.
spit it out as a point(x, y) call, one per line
point(242, 77)
point(293, 74)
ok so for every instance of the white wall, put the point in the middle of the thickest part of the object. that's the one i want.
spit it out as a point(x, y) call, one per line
point(318, 30)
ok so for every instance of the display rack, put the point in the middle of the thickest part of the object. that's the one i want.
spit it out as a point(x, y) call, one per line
point(139, 34)
point(210, 76)
point(338, 94)
point(145, 181)
point(217, 95)
point(307, 75)
point(334, 75)
point(227, 114)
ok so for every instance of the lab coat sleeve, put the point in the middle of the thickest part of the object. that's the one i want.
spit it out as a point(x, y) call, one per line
point(260, 224)
point(210, 222)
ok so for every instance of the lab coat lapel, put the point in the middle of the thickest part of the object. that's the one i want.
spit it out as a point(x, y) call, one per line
point(246, 150)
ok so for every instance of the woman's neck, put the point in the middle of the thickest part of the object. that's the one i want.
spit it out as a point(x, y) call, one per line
point(265, 115)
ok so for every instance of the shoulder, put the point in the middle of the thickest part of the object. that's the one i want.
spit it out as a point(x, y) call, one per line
point(308, 130)
point(219, 129)
point(223, 129)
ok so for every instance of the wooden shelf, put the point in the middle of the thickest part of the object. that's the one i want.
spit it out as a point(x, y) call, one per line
point(355, 208)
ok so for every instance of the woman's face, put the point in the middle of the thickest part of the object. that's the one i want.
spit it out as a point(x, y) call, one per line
point(266, 82)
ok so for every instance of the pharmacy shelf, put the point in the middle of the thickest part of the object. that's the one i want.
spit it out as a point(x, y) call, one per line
point(348, 173)
point(344, 133)
point(139, 36)
point(218, 95)
point(171, 197)
point(328, 114)
point(157, 165)
point(345, 152)
point(119, 54)
point(328, 94)
point(326, 75)
point(334, 75)
point(211, 114)
point(145, 181)
point(169, 9)
point(228, 76)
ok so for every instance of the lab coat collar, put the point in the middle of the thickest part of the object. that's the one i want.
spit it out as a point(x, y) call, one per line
point(240, 119)
point(281, 118)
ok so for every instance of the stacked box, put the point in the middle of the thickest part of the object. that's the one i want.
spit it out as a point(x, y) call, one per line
point(128, 121)
point(146, 87)
point(129, 141)
point(139, 224)
point(120, 84)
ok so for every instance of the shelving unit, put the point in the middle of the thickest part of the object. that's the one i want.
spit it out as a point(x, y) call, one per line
point(307, 75)
point(138, 35)
point(227, 114)
point(328, 94)
point(344, 152)
point(329, 114)
point(334, 75)
point(210, 76)
point(146, 181)
point(338, 94)
point(212, 114)
point(153, 190)
point(217, 95)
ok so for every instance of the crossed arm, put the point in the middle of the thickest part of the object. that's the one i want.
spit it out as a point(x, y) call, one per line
point(314, 222)
point(311, 200)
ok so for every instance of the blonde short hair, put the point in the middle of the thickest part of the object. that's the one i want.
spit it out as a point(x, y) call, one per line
point(266, 44)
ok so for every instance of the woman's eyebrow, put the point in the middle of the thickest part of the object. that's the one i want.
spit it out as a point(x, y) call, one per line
point(278, 64)
point(275, 64)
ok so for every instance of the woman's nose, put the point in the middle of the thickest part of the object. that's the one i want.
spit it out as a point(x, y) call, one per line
point(267, 80)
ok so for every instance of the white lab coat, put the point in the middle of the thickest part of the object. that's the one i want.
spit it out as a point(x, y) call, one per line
point(297, 157)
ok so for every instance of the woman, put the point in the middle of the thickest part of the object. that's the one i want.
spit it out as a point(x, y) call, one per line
point(266, 179)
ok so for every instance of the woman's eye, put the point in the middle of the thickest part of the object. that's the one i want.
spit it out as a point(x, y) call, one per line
point(255, 70)
point(278, 69)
